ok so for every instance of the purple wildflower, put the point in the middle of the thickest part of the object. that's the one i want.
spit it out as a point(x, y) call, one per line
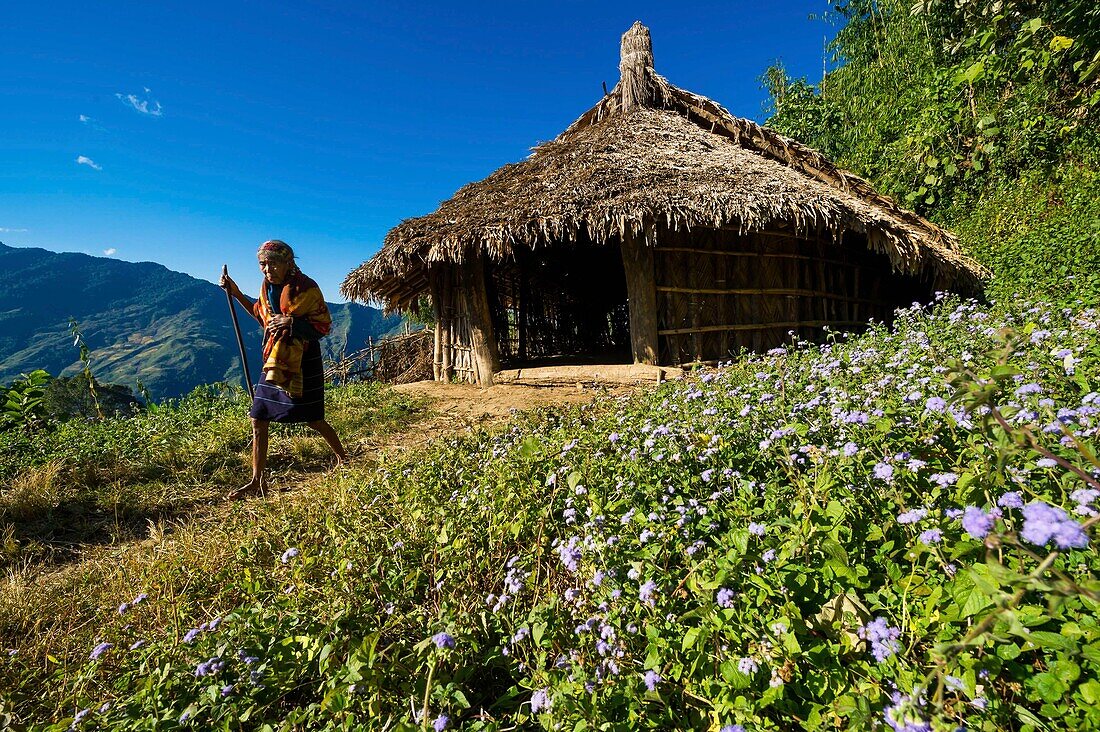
point(209, 667)
point(570, 554)
point(912, 516)
point(930, 536)
point(99, 650)
point(651, 679)
point(757, 529)
point(733, 728)
point(1011, 499)
point(443, 640)
point(441, 723)
point(883, 638)
point(904, 716)
point(1084, 496)
point(944, 479)
point(540, 700)
point(850, 449)
point(748, 666)
point(1044, 523)
point(935, 404)
point(289, 554)
point(725, 597)
point(977, 522)
point(191, 635)
point(884, 472)
point(645, 592)
point(768, 555)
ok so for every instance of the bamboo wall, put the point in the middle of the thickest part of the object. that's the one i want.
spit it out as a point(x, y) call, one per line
point(453, 354)
point(719, 291)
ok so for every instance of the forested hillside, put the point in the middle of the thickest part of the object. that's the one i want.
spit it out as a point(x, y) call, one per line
point(982, 116)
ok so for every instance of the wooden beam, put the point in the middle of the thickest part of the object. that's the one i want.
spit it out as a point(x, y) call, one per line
point(483, 343)
point(761, 326)
point(768, 291)
point(758, 255)
point(641, 296)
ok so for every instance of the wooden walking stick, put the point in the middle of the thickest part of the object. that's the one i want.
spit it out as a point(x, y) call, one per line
point(240, 341)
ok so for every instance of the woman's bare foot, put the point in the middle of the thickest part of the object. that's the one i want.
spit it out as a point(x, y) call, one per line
point(256, 485)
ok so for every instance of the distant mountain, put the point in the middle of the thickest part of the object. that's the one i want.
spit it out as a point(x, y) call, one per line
point(142, 321)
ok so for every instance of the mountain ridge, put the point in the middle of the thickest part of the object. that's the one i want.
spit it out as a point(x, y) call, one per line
point(142, 321)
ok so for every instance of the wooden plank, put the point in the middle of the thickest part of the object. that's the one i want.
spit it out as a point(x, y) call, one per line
point(761, 326)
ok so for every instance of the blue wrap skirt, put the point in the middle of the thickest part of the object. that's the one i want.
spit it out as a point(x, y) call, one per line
point(273, 404)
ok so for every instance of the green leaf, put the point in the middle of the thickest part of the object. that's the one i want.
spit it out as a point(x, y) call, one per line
point(1049, 687)
point(1046, 639)
point(1066, 670)
point(1090, 691)
point(690, 637)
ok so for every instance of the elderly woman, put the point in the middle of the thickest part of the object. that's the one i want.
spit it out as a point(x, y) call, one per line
point(294, 316)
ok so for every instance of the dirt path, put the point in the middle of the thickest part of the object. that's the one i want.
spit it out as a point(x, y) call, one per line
point(455, 408)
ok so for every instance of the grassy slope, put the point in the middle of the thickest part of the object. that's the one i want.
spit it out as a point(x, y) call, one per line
point(1041, 230)
point(659, 489)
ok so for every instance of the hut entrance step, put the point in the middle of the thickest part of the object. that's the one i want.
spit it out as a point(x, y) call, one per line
point(612, 374)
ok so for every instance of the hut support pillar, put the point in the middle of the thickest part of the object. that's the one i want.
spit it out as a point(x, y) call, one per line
point(483, 344)
point(436, 287)
point(446, 317)
point(641, 295)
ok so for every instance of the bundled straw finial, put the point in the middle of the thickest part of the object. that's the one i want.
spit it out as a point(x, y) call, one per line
point(636, 85)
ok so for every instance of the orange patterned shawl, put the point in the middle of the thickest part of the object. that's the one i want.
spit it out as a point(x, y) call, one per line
point(301, 298)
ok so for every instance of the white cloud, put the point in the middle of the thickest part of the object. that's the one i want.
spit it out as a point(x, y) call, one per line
point(85, 118)
point(4, 230)
point(82, 160)
point(145, 106)
point(110, 252)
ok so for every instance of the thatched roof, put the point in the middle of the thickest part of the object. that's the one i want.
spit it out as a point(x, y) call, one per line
point(650, 155)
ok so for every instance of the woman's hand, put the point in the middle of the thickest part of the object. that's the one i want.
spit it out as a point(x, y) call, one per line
point(279, 326)
point(229, 285)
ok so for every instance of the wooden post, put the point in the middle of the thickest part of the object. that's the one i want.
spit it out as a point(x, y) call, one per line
point(447, 311)
point(524, 304)
point(437, 311)
point(641, 296)
point(483, 344)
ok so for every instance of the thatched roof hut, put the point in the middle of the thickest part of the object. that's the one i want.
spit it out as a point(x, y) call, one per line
point(660, 227)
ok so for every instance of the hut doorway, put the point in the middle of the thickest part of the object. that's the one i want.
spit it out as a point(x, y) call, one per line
point(560, 304)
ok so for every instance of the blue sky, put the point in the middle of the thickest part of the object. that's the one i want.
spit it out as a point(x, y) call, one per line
point(186, 133)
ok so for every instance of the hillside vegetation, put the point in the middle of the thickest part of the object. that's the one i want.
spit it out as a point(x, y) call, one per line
point(813, 538)
point(983, 116)
point(893, 530)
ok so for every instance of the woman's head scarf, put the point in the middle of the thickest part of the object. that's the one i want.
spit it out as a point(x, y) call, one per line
point(278, 249)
